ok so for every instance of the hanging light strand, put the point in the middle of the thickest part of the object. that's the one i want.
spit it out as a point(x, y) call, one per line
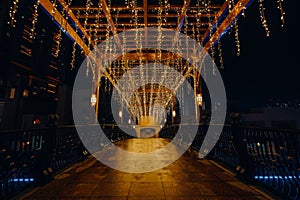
point(73, 56)
point(87, 11)
point(243, 12)
point(198, 21)
point(208, 6)
point(263, 17)
point(35, 19)
point(97, 22)
point(186, 32)
point(237, 40)
point(282, 13)
point(74, 43)
point(54, 5)
point(12, 13)
point(59, 35)
point(220, 54)
point(230, 7)
point(109, 50)
point(74, 51)
point(166, 9)
point(58, 41)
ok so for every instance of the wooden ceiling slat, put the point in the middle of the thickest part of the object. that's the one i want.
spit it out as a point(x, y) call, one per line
point(122, 15)
point(216, 6)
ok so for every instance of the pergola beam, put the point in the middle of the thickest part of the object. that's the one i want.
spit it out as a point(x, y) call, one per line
point(62, 22)
point(183, 14)
point(73, 17)
point(216, 21)
point(222, 29)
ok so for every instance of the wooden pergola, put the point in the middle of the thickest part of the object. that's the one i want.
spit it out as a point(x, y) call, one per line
point(91, 22)
point(208, 21)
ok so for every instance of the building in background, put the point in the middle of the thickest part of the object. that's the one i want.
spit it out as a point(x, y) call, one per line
point(276, 114)
point(35, 73)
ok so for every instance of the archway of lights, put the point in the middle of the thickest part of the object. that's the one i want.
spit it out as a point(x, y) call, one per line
point(91, 22)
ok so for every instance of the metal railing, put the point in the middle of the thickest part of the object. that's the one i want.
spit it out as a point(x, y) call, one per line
point(32, 156)
point(276, 157)
point(271, 158)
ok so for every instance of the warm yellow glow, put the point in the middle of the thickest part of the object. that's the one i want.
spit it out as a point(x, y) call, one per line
point(174, 113)
point(199, 99)
point(93, 100)
point(147, 121)
point(120, 113)
point(25, 93)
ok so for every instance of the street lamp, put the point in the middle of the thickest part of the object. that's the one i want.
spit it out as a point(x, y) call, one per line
point(199, 99)
point(120, 113)
point(174, 113)
point(93, 100)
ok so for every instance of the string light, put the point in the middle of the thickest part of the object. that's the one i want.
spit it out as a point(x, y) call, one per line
point(282, 13)
point(198, 21)
point(54, 5)
point(59, 35)
point(263, 17)
point(67, 8)
point(74, 43)
point(237, 40)
point(97, 21)
point(212, 50)
point(166, 8)
point(230, 7)
point(35, 19)
point(117, 68)
point(73, 56)
point(220, 54)
point(58, 41)
point(87, 9)
point(74, 51)
point(87, 69)
point(12, 13)
point(243, 12)
point(106, 83)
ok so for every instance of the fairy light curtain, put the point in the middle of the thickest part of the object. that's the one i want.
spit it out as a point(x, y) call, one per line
point(99, 20)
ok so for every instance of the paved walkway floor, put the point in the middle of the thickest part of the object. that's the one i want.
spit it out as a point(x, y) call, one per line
point(187, 178)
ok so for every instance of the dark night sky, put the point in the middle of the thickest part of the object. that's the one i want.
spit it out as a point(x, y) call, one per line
point(268, 66)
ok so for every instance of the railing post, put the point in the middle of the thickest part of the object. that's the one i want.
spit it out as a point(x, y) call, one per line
point(44, 171)
point(245, 164)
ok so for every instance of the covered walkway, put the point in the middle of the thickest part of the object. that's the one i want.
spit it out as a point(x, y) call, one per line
point(186, 178)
